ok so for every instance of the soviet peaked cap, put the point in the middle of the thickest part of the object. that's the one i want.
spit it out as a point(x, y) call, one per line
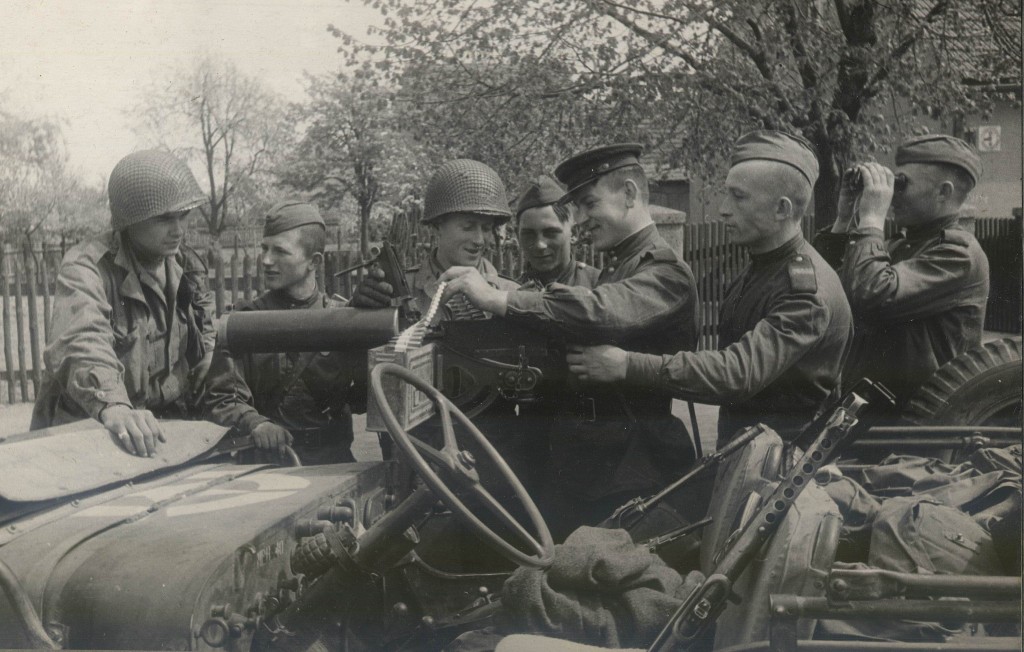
point(585, 167)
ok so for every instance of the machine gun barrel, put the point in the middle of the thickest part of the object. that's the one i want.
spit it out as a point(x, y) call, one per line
point(330, 329)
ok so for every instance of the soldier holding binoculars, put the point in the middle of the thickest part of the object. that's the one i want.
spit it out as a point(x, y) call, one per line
point(919, 299)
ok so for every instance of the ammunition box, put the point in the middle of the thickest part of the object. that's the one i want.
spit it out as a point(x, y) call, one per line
point(411, 406)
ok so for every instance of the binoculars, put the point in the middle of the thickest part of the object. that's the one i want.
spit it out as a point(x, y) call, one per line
point(856, 181)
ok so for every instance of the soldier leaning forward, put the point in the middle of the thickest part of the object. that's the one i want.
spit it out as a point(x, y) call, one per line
point(618, 442)
point(131, 332)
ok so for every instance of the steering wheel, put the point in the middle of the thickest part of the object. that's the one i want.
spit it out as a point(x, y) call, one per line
point(459, 467)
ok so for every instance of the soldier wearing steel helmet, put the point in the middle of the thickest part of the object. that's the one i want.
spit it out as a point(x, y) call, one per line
point(465, 203)
point(131, 335)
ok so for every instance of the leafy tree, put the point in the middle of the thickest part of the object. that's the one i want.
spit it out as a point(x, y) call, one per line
point(36, 187)
point(228, 123)
point(354, 147)
point(688, 76)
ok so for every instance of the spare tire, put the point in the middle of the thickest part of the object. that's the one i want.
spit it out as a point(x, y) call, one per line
point(981, 387)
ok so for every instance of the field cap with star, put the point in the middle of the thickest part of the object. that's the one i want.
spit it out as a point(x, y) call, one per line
point(771, 145)
point(939, 148)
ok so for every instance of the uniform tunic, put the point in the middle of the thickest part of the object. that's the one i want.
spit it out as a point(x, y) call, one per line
point(619, 440)
point(424, 280)
point(575, 274)
point(785, 332)
point(918, 300)
point(117, 337)
point(308, 394)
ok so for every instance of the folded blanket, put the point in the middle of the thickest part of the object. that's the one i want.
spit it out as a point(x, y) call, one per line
point(602, 589)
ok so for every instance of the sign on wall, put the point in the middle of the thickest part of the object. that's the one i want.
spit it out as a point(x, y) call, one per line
point(990, 138)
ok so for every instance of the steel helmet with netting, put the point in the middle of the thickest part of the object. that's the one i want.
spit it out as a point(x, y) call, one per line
point(150, 183)
point(465, 186)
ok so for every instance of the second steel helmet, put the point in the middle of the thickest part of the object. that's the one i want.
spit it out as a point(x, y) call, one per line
point(150, 183)
point(465, 186)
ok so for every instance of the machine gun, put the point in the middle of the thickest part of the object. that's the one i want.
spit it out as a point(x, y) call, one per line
point(703, 606)
point(473, 362)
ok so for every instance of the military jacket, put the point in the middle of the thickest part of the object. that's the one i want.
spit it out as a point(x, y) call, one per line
point(785, 330)
point(575, 274)
point(117, 338)
point(918, 300)
point(424, 280)
point(308, 393)
point(620, 438)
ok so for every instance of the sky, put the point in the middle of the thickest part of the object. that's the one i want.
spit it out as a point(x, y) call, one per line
point(86, 62)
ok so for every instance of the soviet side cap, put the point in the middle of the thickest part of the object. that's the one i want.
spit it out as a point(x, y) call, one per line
point(581, 169)
point(770, 145)
point(939, 148)
point(290, 214)
point(544, 190)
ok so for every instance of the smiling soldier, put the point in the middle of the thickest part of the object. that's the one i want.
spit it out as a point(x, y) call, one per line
point(544, 227)
point(131, 335)
point(785, 322)
point(465, 203)
point(288, 398)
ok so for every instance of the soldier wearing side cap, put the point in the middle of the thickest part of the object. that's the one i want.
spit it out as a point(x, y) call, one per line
point(281, 399)
point(617, 442)
point(544, 228)
point(919, 299)
point(785, 324)
point(131, 335)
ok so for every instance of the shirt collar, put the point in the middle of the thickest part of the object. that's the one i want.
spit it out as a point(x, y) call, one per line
point(931, 227)
point(779, 253)
point(633, 244)
point(564, 277)
point(288, 302)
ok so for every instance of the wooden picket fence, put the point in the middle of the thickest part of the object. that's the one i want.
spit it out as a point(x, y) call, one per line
point(29, 272)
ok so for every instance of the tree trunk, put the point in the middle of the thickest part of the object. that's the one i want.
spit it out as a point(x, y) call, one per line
point(364, 229)
point(826, 198)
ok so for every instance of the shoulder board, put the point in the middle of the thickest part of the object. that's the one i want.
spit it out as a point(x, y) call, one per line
point(957, 237)
point(662, 254)
point(801, 274)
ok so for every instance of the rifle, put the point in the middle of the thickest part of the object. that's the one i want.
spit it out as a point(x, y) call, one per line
point(703, 606)
point(629, 514)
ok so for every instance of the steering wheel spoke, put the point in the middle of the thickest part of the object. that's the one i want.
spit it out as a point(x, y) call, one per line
point(461, 469)
point(496, 508)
